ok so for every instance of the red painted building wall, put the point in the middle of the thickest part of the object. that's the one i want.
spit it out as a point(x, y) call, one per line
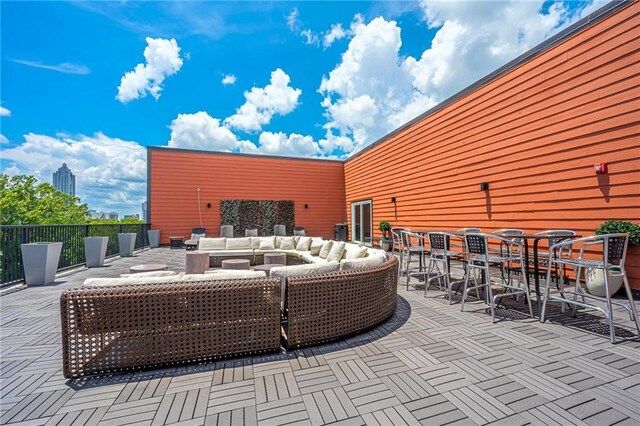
point(175, 175)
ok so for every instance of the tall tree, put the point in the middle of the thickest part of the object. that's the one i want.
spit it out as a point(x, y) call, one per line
point(24, 201)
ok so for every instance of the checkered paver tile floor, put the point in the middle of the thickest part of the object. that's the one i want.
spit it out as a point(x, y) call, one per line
point(429, 364)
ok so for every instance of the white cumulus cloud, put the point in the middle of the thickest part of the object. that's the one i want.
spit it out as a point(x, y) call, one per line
point(375, 89)
point(201, 131)
point(262, 103)
point(110, 172)
point(335, 33)
point(4, 112)
point(162, 58)
point(228, 79)
point(294, 145)
point(3, 139)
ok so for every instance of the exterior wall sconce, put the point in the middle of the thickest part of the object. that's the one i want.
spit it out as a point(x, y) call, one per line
point(208, 205)
point(306, 206)
point(484, 186)
point(393, 199)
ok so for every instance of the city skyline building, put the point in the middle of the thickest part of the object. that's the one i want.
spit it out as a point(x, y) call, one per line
point(64, 180)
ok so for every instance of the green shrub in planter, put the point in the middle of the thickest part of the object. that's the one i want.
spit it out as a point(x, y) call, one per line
point(621, 226)
point(384, 226)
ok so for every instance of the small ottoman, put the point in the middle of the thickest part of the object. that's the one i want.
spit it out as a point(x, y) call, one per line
point(236, 264)
point(196, 262)
point(280, 258)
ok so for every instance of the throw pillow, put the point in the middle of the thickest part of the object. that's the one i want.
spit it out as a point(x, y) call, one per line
point(362, 263)
point(303, 243)
point(267, 243)
point(287, 243)
point(354, 252)
point(337, 250)
point(316, 246)
point(326, 248)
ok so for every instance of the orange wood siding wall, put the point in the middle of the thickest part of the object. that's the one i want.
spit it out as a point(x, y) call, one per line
point(534, 135)
point(175, 175)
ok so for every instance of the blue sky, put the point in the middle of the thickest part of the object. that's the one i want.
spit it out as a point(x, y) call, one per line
point(92, 84)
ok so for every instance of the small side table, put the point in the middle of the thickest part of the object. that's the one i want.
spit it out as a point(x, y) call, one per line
point(148, 267)
point(236, 264)
point(176, 242)
point(196, 262)
point(279, 258)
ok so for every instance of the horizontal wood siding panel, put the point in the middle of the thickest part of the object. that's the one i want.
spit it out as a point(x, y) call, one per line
point(175, 175)
point(534, 135)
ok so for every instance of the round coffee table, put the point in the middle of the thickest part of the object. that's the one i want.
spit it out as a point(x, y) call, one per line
point(267, 267)
point(236, 264)
point(279, 258)
point(148, 267)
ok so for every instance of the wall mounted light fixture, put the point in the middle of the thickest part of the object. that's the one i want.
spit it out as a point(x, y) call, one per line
point(208, 205)
point(484, 186)
point(306, 206)
point(393, 199)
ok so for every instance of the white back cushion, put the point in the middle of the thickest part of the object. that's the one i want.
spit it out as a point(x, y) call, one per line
point(255, 242)
point(337, 250)
point(316, 246)
point(352, 251)
point(267, 243)
point(287, 243)
point(150, 274)
point(303, 243)
point(238, 243)
point(326, 248)
point(212, 243)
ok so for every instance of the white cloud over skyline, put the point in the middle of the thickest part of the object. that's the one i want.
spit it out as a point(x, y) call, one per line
point(110, 172)
point(4, 112)
point(162, 57)
point(65, 67)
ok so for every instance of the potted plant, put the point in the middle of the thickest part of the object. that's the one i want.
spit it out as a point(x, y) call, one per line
point(594, 277)
point(384, 227)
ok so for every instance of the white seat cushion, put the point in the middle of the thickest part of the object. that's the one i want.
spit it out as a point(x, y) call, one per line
point(212, 243)
point(307, 269)
point(113, 282)
point(362, 263)
point(309, 258)
point(224, 275)
point(239, 273)
point(150, 274)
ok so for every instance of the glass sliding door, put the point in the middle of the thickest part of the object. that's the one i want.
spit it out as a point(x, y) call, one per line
point(361, 221)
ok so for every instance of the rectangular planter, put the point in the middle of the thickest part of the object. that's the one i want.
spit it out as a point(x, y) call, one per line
point(154, 238)
point(126, 243)
point(95, 249)
point(40, 262)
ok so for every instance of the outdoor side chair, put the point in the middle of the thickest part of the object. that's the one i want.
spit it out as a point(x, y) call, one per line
point(397, 247)
point(196, 234)
point(226, 231)
point(481, 259)
point(299, 231)
point(611, 258)
point(279, 230)
point(414, 247)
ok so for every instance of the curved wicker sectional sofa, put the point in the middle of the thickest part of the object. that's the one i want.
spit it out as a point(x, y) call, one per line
point(124, 327)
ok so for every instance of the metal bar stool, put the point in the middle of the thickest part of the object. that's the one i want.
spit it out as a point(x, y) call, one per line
point(480, 259)
point(440, 257)
point(414, 247)
point(610, 260)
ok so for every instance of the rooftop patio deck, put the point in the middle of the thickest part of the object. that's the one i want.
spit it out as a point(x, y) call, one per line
point(428, 364)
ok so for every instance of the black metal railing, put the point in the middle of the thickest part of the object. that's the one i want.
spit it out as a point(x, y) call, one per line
point(72, 238)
